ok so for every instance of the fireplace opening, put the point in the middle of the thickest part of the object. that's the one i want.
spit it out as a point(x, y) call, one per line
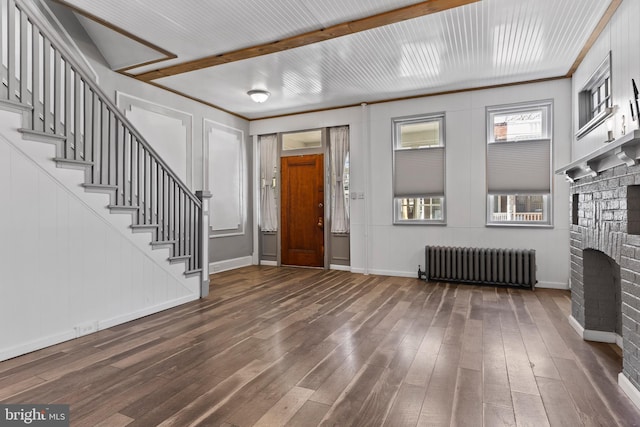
point(602, 293)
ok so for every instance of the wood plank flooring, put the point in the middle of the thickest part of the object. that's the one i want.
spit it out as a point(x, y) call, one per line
point(296, 347)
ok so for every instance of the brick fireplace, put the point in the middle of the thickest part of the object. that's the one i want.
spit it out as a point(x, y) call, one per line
point(605, 251)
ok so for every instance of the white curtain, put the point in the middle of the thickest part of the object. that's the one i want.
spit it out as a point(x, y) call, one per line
point(339, 151)
point(268, 169)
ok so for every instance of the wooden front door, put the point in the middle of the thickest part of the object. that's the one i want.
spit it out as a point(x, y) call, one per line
point(302, 213)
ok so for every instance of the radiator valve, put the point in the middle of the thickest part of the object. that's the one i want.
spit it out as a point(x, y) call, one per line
point(421, 274)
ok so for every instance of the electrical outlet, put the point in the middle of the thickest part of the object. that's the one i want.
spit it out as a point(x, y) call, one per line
point(86, 328)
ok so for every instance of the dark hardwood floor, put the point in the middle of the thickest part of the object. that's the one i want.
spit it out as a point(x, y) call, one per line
point(296, 347)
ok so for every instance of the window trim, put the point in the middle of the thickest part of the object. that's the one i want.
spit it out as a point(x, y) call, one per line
point(397, 203)
point(546, 106)
point(586, 120)
point(520, 107)
point(422, 118)
point(282, 152)
point(396, 124)
point(548, 201)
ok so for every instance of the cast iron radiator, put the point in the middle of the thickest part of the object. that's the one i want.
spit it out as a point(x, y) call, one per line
point(509, 267)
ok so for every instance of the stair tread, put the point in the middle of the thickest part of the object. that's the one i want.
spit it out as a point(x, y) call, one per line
point(101, 186)
point(123, 207)
point(144, 225)
point(179, 257)
point(16, 105)
point(163, 242)
point(40, 133)
point(73, 161)
point(192, 272)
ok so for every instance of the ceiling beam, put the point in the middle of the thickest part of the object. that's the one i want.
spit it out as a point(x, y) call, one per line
point(352, 27)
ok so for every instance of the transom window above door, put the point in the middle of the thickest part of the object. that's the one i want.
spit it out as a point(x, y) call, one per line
point(302, 140)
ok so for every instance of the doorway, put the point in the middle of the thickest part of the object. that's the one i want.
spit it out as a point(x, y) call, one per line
point(302, 210)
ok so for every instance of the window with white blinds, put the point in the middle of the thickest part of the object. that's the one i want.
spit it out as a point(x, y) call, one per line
point(419, 169)
point(519, 164)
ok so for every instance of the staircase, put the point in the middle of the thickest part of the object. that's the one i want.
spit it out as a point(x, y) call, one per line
point(61, 105)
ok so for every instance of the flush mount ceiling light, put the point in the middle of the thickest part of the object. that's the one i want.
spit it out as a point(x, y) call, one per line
point(258, 95)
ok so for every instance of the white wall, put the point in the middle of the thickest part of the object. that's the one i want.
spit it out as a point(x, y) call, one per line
point(64, 263)
point(378, 246)
point(622, 38)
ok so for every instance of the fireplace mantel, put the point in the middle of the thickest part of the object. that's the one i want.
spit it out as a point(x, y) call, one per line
point(623, 151)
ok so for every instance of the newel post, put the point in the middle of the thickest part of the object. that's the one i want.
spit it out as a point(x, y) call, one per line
point(204, 197)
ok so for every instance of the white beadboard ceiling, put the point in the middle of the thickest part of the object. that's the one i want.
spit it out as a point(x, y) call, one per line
point(490, 42)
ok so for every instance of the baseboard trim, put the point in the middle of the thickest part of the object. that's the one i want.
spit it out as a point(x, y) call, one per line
point(576, 326)
point(118, 320)
point(545, 285)
point(600, 336)
point(269, 263)
point(38, 344)
point(553, 285)
point(597, 336)
point(629, 389)
point(230, 264)
point(395, 273)
point(340, 267)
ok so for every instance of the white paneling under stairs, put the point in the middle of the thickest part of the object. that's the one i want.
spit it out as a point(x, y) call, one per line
point(69, 267)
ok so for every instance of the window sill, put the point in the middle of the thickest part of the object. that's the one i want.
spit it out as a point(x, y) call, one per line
point(419, 222)
point(518, 225)
point(594, 122)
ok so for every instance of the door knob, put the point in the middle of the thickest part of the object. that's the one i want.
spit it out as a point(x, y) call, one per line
point(320, 222)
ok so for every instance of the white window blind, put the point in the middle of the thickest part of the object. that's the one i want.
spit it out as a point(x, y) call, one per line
point(419, 172)
point(519, 167)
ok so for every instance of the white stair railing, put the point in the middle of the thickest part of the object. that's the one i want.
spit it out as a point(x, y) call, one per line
point(62, 103)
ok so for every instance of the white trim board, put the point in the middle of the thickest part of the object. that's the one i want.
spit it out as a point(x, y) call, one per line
point(331, 267)
point(118, 320)
point(629, 389)
point(230, 264)
point(597, 336)
point(37, 344)
point(553, 285)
